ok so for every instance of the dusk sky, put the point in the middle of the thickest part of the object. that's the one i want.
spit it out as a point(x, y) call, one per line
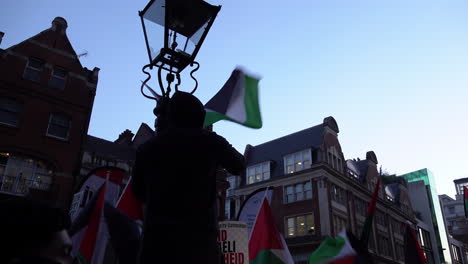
point(394, 74)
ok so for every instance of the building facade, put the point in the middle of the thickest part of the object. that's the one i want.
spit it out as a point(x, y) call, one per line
point(456, 222)
point(46, 100)
point(318, 193)
point(425, 199)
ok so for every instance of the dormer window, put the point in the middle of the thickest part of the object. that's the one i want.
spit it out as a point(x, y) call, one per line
point(297, 161)
point(33, 70)
point(57, 80)
point(259, 172)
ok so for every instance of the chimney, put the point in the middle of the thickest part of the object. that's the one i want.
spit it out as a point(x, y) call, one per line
point(371, 158)
point(60, 25)
point(1, 36)
point(125, 137)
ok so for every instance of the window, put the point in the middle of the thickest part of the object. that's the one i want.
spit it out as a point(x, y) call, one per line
point(399, 251)
point(384, 245)
point(300, 225)
point(339, 224)
point(33, 70)
point(398, 227)
point(297, 161)
point(298, 192)
point(456, 253)
point(380, 218)
point(451, 209)
point(21, 174)
point(59, 126)
point(360, 207)
point(57, 80)
point(338, 194)
point(9, 110)
point(258, 173)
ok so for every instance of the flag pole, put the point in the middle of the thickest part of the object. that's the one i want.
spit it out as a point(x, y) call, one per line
point(124, 190)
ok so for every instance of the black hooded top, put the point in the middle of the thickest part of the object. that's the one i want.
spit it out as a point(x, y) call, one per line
point(175, 175)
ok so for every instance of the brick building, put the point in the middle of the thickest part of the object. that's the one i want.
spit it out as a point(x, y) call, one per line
point(317, 192)
point(46, 99)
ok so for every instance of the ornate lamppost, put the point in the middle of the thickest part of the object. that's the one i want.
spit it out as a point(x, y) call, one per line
point(174, 31)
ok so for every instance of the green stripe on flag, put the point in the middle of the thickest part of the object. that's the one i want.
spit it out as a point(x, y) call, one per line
point(466, 208)
point(327, 250)
point(81, 258)
point(252, 107)
point(266, 257)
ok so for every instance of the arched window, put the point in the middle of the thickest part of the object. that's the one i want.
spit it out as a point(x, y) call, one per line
point(19, 174)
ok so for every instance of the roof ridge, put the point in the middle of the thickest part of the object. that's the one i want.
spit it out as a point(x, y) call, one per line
point(294, 133)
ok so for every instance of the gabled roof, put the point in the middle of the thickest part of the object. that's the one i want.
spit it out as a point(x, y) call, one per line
point(109, 149)
point(143, 134)
point(276, 149)
point(54, 38)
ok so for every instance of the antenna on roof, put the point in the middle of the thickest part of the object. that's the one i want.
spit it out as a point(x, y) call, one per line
point(83, 54)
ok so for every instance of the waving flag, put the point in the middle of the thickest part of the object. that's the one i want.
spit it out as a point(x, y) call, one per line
point(465, 200)
point(366, 230)
point(413, 251)
point(88, 243)
point(334, 251)
point(237, 101)
point(266, 246)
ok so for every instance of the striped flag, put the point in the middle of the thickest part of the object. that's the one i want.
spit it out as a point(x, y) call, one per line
point(266, 246)
point(366, 230)
point(237, 101)
point(124, 222)
point(413, 251)
point(88, 243)
point(334, 251)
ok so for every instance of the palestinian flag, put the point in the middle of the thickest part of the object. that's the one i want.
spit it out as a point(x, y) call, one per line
point(266, 245)
point(237, 101)
point(334, 251)
point(413, 251)
point(465, 200)
point(124, 223)
point(88, 243)
point(366, 230)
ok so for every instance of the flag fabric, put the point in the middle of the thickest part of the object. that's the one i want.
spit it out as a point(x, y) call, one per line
point(334, 251)
point(251, 206)
point(88, 243)
point(129, 205)
point(465, 200)
point(266, 245)
point(124, 224)
point(413, 251)
point(237, 101)
point(366, 230)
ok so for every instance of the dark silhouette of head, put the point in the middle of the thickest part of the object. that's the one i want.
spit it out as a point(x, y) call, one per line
point(34, 232)
point(185, 111)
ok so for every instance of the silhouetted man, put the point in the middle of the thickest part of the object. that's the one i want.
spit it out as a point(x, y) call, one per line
point(33, 233)
point(175, 176)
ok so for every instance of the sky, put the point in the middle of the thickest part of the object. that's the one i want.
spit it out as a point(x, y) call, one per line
point(394, 74)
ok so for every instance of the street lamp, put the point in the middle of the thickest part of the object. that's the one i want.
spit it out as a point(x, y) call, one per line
point(174, 31)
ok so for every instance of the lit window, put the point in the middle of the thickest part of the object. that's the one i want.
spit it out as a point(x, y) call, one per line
point(297, 161)
point(19, 174)
point(57, 80)
point(9, 111)
point(33, 70)
point(59, 126)
point(300, 225)
point(298, 192)
point(258, 173)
